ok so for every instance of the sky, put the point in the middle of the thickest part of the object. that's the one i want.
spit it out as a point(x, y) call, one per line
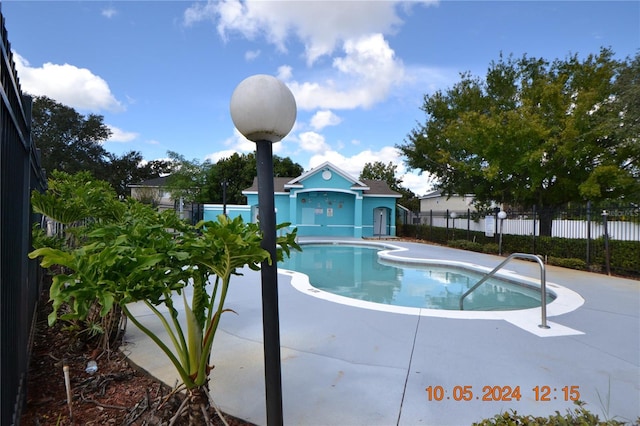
point(162, 73)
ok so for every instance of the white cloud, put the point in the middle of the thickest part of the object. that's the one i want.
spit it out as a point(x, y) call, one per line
point(355, 163)
point(238, 144)
point(366, 74)
point(214, 157)
point(312, 142)
point(366, 70)
point(307, 21)
point(322, 119)
point(420, 184)
point(251, 55)
point(284, 72)
point(109, 12)
point(67, 84)
point(119, 135)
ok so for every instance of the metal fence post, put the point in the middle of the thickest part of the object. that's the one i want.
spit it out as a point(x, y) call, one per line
point(588, 254)
point(533, 233)
point(606, 241)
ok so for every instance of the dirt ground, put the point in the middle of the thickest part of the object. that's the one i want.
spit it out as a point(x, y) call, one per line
point(117, 394)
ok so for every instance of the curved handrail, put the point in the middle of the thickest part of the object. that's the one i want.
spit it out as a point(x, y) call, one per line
point(543, 283)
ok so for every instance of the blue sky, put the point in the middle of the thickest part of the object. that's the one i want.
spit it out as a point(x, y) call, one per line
point(162, 72)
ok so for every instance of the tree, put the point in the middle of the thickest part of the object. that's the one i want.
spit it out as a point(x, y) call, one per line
point(188, 178)
point(131, 168)
point(379, 171)
point(238, 171)
point(620, 121)
point(285, 167)
point(530, 134)
point(69, 141)
point(387, 173)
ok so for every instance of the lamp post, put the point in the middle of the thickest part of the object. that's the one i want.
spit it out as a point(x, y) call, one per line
point(263, 109)
point(453, 227)
point(606, 241)
point(502, 216)
point(224, 184)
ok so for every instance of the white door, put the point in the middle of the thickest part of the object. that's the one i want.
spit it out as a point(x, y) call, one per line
point(380, 221)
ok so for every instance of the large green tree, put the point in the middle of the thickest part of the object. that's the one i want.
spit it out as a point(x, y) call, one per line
point(237, 173)
point(188, 178)
point(388, 173)
point(68, 141)
point(532, 133)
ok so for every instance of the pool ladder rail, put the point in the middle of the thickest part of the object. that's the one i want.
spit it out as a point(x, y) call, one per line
point(543, 283)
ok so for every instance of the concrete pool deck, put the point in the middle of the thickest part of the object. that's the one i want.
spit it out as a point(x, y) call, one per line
point(348, 365)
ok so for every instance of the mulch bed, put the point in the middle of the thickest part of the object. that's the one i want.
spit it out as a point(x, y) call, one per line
point(117, 394)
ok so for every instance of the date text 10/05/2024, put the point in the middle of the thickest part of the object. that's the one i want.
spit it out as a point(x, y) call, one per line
point(501, 393)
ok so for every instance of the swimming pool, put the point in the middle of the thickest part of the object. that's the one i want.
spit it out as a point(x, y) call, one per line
point(357, 272)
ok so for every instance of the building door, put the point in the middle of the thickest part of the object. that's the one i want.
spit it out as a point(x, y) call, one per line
point(380, 226)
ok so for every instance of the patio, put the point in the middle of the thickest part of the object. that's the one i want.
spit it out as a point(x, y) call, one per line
point(345, 365)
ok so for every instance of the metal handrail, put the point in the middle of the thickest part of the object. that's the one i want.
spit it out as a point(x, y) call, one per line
point(543, 283)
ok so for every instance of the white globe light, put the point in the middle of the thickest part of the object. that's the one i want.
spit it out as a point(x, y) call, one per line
point(502, 215)
point(263, 108)
point(453, 215)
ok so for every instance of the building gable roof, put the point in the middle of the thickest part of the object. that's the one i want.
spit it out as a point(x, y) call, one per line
point(356, 184)
point(368, 187)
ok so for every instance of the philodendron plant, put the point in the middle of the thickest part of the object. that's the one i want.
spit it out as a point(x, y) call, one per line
point(149, 257)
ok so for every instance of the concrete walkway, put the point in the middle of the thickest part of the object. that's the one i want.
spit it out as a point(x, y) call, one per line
point(350, 365)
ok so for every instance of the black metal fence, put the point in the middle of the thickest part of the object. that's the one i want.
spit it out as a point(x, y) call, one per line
point(20, 173)
point(580, 222)
point(601, 236)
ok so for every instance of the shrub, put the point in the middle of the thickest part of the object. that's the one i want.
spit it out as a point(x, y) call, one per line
point(623, 255)
point(572, 263)
point(491, 248)
point(465, 245)
point(577, 416)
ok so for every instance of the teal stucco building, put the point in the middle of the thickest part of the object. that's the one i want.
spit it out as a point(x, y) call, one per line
point(324, 201)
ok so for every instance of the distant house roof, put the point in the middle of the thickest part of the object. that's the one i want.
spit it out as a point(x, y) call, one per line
point(432, 194)
point(151, 183)
point(438, 194)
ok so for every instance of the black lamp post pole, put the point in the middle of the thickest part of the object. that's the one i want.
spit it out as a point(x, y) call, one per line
point(270, 321)
point(224, 196)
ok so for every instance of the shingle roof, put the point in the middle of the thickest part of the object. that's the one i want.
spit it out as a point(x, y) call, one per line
point(376, 187)
point(278, 184)
point(155, 182)
point(379, 187)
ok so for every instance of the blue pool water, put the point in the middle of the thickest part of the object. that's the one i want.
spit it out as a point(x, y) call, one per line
point(356, 272)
